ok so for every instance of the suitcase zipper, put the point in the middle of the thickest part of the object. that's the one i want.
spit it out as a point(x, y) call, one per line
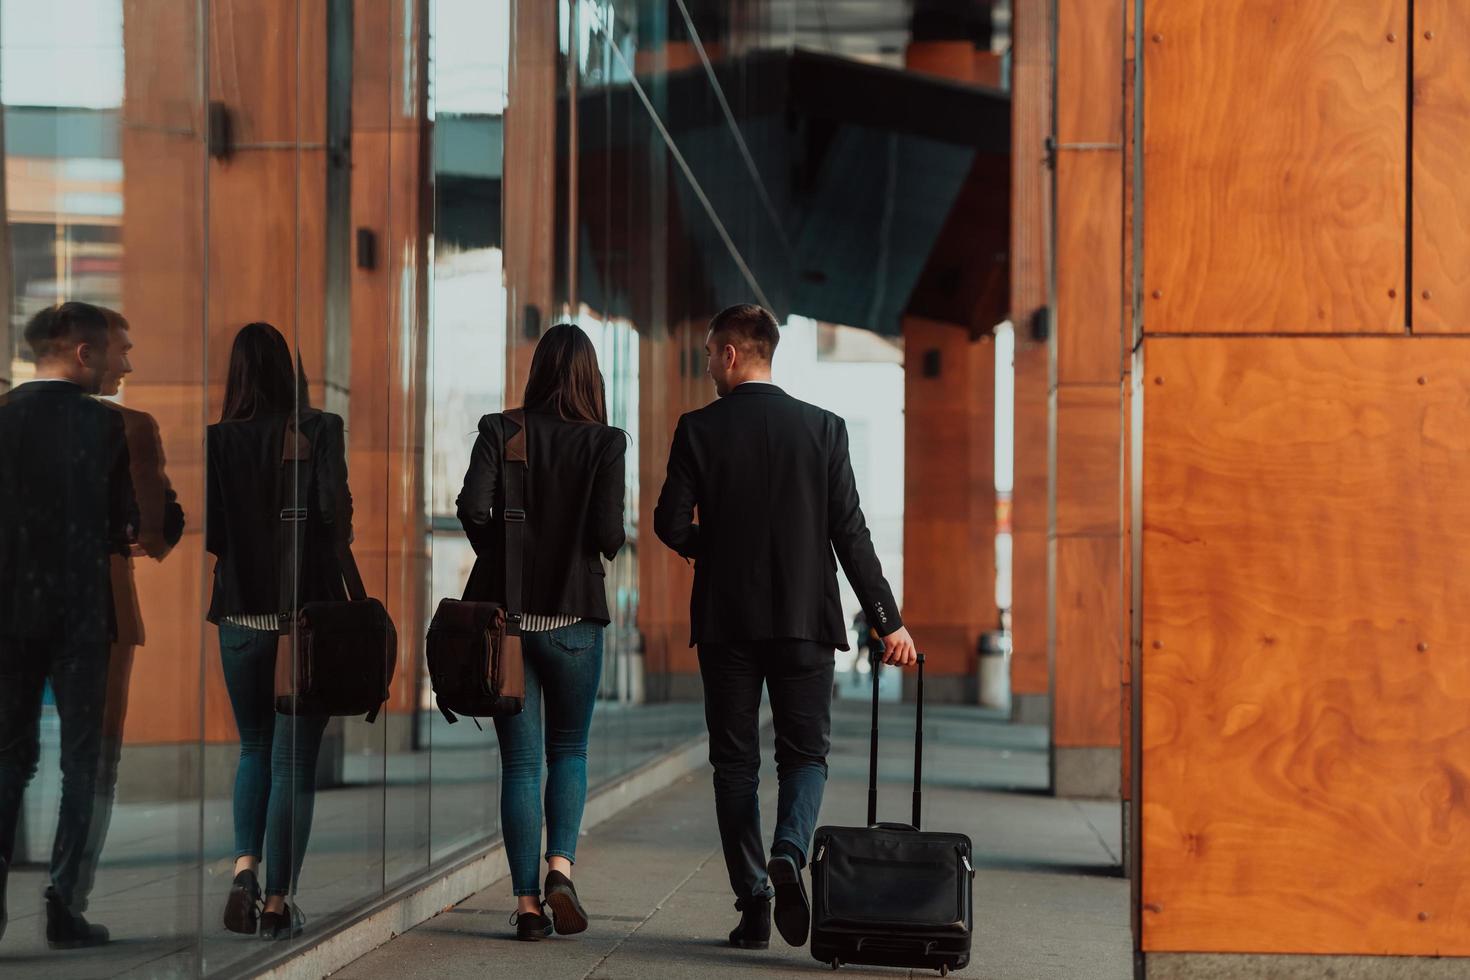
point(967, 865)
point(820, 851)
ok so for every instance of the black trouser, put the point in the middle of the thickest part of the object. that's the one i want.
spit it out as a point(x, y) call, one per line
point(78, 673)
point(798, 675)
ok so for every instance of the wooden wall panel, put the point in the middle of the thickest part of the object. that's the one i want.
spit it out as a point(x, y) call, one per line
point(529, 208)
point(1276, 159)
point(163, 156)
point(1441, 286)
point(949, 488)
point(1031, 423)
point(1089, 313)
point(1029, 670)
point(1030, 167)
point(1090, 87)
point(1089, 460)
point(267, 63)
point(1306, 695)
point(1089, 649)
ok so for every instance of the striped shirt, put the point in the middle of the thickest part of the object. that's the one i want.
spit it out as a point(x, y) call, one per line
point(530, 622)
point(534, 623)
point(268, 622)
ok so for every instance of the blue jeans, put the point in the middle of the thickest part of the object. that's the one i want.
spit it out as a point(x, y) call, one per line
point(798, 676)
point(563, 666)
point(275, 784)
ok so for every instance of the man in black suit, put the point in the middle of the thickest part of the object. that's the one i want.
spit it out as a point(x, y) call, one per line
point(66, 505)
point(774, 488)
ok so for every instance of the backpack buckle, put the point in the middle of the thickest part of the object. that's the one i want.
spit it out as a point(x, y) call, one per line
point(515, 514)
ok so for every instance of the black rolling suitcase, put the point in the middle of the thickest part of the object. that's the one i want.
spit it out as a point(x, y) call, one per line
point(889, 894)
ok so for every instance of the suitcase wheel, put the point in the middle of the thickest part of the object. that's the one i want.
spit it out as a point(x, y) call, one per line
point(944, 969)
point(836, 963)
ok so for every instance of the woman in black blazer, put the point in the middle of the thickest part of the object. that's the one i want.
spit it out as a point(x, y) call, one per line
point(574, 518)
point(275, 783)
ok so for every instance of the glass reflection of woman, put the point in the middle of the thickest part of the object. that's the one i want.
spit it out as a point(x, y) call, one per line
point(276, 779)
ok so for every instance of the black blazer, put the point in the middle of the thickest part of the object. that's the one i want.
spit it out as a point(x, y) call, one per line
point(243, 514)
point(66, 506)
point(773, 483)
point(574, 513)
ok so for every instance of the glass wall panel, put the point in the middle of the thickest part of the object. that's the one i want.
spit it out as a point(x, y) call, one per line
point(334, 229)
point(102, 487)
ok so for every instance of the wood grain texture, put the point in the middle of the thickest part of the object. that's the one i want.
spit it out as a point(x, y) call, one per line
point(1029, 671)
point(161, 72)
point(949, 487)
point(1089, 42)
point(1276, 153)
point(1089, 257)
point(1089, 644)
point(1031, 422)
point(1089, 461)
point(268, 64)
point(1441, 287)
point(1305, 693)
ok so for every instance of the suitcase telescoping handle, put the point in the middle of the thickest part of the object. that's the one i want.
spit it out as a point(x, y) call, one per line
point(918, 746)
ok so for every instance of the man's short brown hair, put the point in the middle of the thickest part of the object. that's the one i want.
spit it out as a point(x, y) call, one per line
point(750, 329)
point(51, 332)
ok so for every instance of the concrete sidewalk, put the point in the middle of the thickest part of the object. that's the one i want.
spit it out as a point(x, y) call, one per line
point(1049, 902)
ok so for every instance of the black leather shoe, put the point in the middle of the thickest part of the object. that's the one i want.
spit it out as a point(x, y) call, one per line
point(754, 931)
point(242, 908)
point(66, 929)
point(793, 911)
point(566, 909)
point(286, 924)
point(531, 927)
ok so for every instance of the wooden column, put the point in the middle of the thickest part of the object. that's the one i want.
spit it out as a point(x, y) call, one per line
point(163, 145)
point(949, 499)
point(1030, 216)
point(388, 296)
point(949, 467)
point(529, 209)
point(1088, 631)
point(671, 376)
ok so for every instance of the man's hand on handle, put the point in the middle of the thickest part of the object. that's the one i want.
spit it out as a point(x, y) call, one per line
point(898, 648)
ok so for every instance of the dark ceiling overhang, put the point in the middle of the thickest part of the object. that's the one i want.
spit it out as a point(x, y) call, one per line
point(855, 206)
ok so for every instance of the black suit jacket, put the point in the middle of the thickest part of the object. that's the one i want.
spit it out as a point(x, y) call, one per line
point(243, 513)
point(574, 513)
point(66, 505)
point(773, 483)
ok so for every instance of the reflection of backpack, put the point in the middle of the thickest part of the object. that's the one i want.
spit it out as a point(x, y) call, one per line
point(334, 657)
point(474, 648)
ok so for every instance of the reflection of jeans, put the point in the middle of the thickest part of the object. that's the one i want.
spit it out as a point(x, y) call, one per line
point(275, 785)
point(799, 677)
point(565, 667)
point(78, 673)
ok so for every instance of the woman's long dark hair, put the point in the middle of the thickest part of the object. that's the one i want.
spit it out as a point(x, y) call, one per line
point(261, 379)
point(565, 379)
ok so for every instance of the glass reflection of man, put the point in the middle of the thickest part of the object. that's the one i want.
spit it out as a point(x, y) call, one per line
point(66, 504)
point(157, 526)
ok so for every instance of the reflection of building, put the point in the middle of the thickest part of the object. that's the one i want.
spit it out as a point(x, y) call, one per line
point(64, 196)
